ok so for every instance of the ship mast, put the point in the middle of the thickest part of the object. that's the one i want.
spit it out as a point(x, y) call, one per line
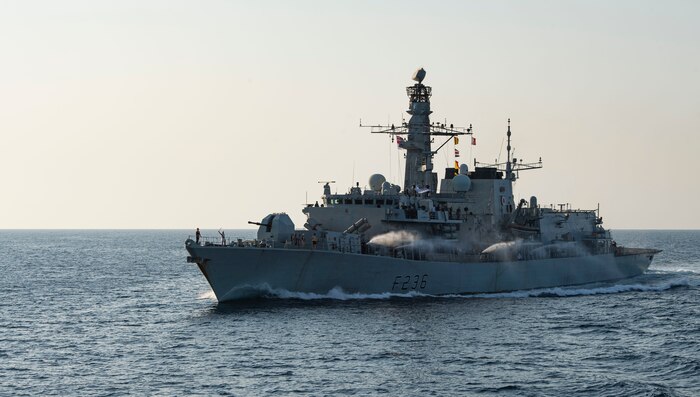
point(419, 133)
point(419, 161)
point(508, 165)
point(511, 167)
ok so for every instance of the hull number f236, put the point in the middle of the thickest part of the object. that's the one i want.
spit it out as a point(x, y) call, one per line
point(409, 282)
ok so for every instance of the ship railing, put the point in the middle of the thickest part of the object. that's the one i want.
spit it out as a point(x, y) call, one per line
point(213, 241)
point(323, 243)
point(218, 241)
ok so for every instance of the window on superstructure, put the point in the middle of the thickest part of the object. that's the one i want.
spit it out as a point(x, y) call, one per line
point(358, 201)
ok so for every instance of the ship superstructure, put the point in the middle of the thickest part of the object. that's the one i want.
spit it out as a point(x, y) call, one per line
point(463, 233)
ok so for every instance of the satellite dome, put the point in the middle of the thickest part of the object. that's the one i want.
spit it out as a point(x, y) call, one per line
point(376, 181)
point(463, 169)
point(461, 183)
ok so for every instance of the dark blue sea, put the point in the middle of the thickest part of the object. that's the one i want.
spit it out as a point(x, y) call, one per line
point(113, 313)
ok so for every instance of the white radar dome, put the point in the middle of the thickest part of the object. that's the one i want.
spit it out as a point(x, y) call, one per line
point(376, 181)
point(461, 183)
point(463, 169)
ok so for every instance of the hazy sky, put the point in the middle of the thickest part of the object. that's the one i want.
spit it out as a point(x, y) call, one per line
point(177, 114)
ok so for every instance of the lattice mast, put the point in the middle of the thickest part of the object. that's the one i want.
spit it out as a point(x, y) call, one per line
point(419, 132)
point(419, 159)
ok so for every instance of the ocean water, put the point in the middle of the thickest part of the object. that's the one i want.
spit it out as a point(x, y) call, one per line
point(112, 313)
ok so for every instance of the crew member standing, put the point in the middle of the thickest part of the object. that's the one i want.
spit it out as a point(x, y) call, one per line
point(197, 236)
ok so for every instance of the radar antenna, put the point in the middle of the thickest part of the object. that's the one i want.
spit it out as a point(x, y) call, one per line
point(511, 165)
point(419, 75)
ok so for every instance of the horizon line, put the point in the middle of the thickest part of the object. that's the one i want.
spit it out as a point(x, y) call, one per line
point(235, 228)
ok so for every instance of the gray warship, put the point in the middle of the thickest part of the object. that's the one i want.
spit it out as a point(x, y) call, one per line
point(465, 235)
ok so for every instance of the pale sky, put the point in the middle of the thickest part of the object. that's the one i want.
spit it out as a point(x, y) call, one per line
point(178, 114)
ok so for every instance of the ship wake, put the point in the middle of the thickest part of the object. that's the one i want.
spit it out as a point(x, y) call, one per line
point(663, 284)
point(336, 293)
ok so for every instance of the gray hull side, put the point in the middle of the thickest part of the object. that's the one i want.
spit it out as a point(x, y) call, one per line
point(239, 272)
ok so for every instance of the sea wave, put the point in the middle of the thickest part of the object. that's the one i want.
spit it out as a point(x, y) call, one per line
point(675, 270)
point(593, 290)
point(337, 293)
point(207, 295)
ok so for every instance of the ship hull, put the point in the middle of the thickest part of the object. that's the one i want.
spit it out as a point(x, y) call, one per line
point(236, 273)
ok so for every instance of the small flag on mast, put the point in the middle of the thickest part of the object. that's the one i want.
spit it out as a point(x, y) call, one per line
point(456, 166)
point(473, 141)
point(456, 153)
point(456, 140)
point(399, 140)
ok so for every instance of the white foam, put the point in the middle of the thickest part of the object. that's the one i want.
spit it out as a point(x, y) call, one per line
point(601, 290)
point(209, 295)
point(337, 293)
point(674, 270)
